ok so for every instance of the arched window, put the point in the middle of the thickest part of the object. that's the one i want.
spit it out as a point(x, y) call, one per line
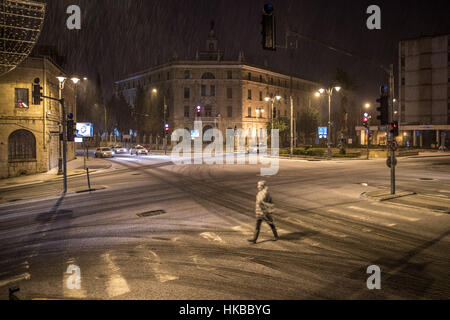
point(21, 145)
point(208, 75)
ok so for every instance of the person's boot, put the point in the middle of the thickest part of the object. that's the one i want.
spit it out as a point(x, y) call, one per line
point(275, 233)
point(255, 237)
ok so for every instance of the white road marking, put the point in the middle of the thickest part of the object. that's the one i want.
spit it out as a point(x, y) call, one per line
point(211, 236)
point(201, 261)
point(161, 275)
point(242, 230)
point(390, 215)
point(322, 230)
point(116, 284)
point(24, 276)
point(366, 219)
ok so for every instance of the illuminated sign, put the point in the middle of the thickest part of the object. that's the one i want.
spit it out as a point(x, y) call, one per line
point(323, 132)
point(85, 130)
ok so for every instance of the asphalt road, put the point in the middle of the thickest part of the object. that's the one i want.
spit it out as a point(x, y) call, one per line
point(196, 248)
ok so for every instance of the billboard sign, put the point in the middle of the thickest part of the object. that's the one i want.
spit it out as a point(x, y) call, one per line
point(85, 130)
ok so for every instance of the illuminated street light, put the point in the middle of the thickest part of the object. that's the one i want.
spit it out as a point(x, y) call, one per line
point(329, 92)
point(75, 80)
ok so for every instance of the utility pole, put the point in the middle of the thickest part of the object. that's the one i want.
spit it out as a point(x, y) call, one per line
point(64, 128)
point(391, 134)
point(164, 127)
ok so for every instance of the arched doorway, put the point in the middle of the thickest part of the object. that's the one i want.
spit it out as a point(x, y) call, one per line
point(21, 146)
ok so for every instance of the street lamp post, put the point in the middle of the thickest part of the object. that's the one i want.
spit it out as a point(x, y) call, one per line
point(155, 91)
point(272, 100)
point(329, 92)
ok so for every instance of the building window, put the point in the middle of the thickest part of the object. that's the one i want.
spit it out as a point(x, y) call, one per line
point(21, 98)
point(249, 110)
point(187, 74)
point(187, 93)
point(213, 91)
point(279, 82)
point(260, 96)
point(21, 145)
point(249, 94)
point(249, 76)
point(203, 89)
point(208, 111)
point(271, 80)
point(229, 111)
point(186, 111)
point(208, 75)
point(403, 81)
point(229, 74)
point(229, 93)
point(260, 78)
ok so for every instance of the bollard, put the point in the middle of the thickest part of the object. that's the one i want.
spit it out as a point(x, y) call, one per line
point(89, 181)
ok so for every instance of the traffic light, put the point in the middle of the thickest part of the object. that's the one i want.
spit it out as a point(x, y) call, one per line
point(366, 120)
point(199, 110)
point(394, 128)
point(166, 127)
point(383, 109)
point(71, 130)
point(268, 28)
point(37, 92)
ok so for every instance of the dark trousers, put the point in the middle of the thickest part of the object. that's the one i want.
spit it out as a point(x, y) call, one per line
point(269, 220)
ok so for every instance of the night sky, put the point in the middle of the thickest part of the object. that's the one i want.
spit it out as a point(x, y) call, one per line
point(119, 37)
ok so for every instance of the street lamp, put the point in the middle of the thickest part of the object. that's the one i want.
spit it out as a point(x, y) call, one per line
point(62, 81)
point(329, 92)
point(155, 91)
point(272, 99)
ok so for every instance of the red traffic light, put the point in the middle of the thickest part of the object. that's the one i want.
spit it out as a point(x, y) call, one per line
point(366, 119)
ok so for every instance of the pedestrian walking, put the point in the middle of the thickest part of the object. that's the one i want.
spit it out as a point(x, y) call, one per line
point(264, 209)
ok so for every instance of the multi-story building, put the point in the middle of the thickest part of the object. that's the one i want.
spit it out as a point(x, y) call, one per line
point(424, 91)
point(230, 94)
point(29, 133)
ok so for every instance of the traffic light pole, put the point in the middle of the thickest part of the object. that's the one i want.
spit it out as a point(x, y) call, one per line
point(64, 146)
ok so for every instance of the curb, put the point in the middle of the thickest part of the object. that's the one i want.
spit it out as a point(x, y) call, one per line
point(388, 197)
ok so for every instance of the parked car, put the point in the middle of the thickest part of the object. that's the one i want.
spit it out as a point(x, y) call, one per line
point(256, 148)
point(104, 153)
point(137, 150)
point(118, 149)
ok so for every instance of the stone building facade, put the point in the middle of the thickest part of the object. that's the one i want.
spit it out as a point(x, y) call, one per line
point(29, 134)
point(230, 94)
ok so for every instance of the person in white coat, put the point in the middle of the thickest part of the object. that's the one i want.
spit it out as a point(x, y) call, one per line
point(264, 209)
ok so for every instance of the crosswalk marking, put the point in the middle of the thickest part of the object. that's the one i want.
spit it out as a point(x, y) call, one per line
point(161, 275)
point(390, 215)
point(116, 284)
point(211, 236)
point(312, 227)
point(366, 219)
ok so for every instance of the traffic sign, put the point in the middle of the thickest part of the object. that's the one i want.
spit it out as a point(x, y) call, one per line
point(394, 146)
point(389, 162)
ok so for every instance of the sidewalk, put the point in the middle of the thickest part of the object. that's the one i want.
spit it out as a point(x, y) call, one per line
point(433, 202)
point(74, 168)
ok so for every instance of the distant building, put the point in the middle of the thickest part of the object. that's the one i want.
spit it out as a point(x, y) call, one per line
point(423, 106)
point(231, 94)
point(424, 93)
point(29, 134)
